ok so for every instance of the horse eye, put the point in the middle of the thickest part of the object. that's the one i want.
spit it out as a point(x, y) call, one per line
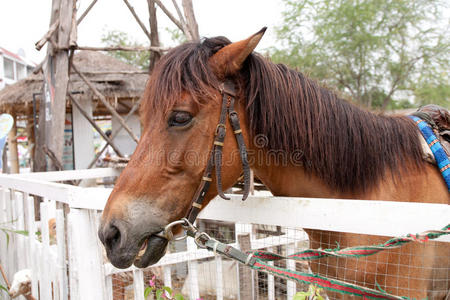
point(179, 118)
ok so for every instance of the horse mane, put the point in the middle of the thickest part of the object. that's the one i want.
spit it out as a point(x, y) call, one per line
point(349, 148)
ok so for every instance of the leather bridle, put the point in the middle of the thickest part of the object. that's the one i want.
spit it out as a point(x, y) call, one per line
point(228, 92)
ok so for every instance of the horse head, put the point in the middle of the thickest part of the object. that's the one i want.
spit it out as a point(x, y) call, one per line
point(181, 107)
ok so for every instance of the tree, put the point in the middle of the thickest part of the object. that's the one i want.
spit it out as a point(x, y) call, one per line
point(379, 52)
point(140, 59)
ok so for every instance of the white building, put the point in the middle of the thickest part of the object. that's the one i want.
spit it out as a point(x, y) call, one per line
point(13, 67)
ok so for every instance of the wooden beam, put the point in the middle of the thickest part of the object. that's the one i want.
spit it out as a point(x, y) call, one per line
point(39, 159)
point(53, 158)
point(12, 146)
point(154, 36)
point(186, 30)
point(74, 30)
point(190, 19)
point(88, 9)
point(56, 79)
point(39, 44)
point(115, 133)
point(122, 48)
point(245, 273)
point(38, 68)
point(169, 15)
point(92, 122)
point(106, 104)
point(133, 12)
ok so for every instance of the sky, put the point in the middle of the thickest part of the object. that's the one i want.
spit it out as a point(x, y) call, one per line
point(24, 22)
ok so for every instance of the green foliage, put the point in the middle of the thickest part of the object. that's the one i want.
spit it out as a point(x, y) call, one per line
point(176, 35)
point(7, 231)
point(4, 288)
point(139, 59)
point(159, 292)
point(313, 293)
point(378, 52)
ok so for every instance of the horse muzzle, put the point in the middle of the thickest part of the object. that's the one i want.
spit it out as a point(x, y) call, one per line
point(126, 244)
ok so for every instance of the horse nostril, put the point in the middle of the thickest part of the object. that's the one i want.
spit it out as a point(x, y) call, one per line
point(110, 237)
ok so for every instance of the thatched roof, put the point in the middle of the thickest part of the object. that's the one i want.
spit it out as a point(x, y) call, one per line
point(112, 77)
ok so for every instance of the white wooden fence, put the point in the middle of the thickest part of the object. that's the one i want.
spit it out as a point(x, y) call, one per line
point(75, 265)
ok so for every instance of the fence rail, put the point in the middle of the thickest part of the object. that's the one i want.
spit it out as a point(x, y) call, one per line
point(74, 263)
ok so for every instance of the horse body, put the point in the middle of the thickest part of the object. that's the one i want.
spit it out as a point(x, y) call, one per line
point(416, 270)
point(314, 145)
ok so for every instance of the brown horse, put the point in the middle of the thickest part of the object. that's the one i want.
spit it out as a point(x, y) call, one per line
point(341, 151)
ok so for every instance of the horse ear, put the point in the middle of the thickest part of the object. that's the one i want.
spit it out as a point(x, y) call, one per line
point(228, 60)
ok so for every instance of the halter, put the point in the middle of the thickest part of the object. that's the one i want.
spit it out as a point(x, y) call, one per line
point(228, 93)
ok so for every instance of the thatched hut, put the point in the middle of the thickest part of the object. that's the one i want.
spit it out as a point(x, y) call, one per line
point(116, 80)
point(121, 84)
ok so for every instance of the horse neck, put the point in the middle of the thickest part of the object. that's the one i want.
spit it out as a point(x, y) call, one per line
point(287, 179)
point(294, 181)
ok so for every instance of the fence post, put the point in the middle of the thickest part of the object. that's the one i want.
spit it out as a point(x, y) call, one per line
point(31, 227)
point(193, 272)
point(271, 283)
point(245, 274)
point(3, 249)
point(45, 282)
point(167, 278)
point(138, 284)
point(109, 287)
point(219, 277)
point(20, 225)
point(61, 257)
point(290, 264)
point(86, 266)
point(10, 245)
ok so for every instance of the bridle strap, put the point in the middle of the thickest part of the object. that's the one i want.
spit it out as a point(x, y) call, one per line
point(220, 134)
point(234, 121)
point(215, 158)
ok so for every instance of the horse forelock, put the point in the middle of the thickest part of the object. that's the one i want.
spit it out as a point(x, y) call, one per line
point(183, 69)
point(348, 147)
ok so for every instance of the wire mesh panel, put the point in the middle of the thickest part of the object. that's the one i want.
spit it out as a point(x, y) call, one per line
point(414, 270)
point(418, 270)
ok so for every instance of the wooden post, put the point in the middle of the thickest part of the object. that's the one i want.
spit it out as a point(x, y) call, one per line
point(115, 133)
point(154, 36)
point(39, 159)
point(190, 19)
point(31, 135)
point(106, 104)
point(56, 78)
point(77, 108)
point(12, 147)
point(245, 274)
point(133, 12)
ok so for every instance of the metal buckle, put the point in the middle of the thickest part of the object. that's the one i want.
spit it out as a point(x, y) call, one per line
point(197, 239)
point(168, 234)
point(220, 125)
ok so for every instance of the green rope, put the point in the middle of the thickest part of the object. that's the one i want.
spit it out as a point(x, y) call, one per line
point(357, 251)
point(258, 261)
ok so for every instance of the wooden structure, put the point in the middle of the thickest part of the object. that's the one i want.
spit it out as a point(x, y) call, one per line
point(63, 82)
point(84, 274)
point(59, 64)
point(120, 85)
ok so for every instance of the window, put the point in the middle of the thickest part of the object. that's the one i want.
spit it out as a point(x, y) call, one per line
point(9, 68)
point(21, 71)
point(29, 70)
